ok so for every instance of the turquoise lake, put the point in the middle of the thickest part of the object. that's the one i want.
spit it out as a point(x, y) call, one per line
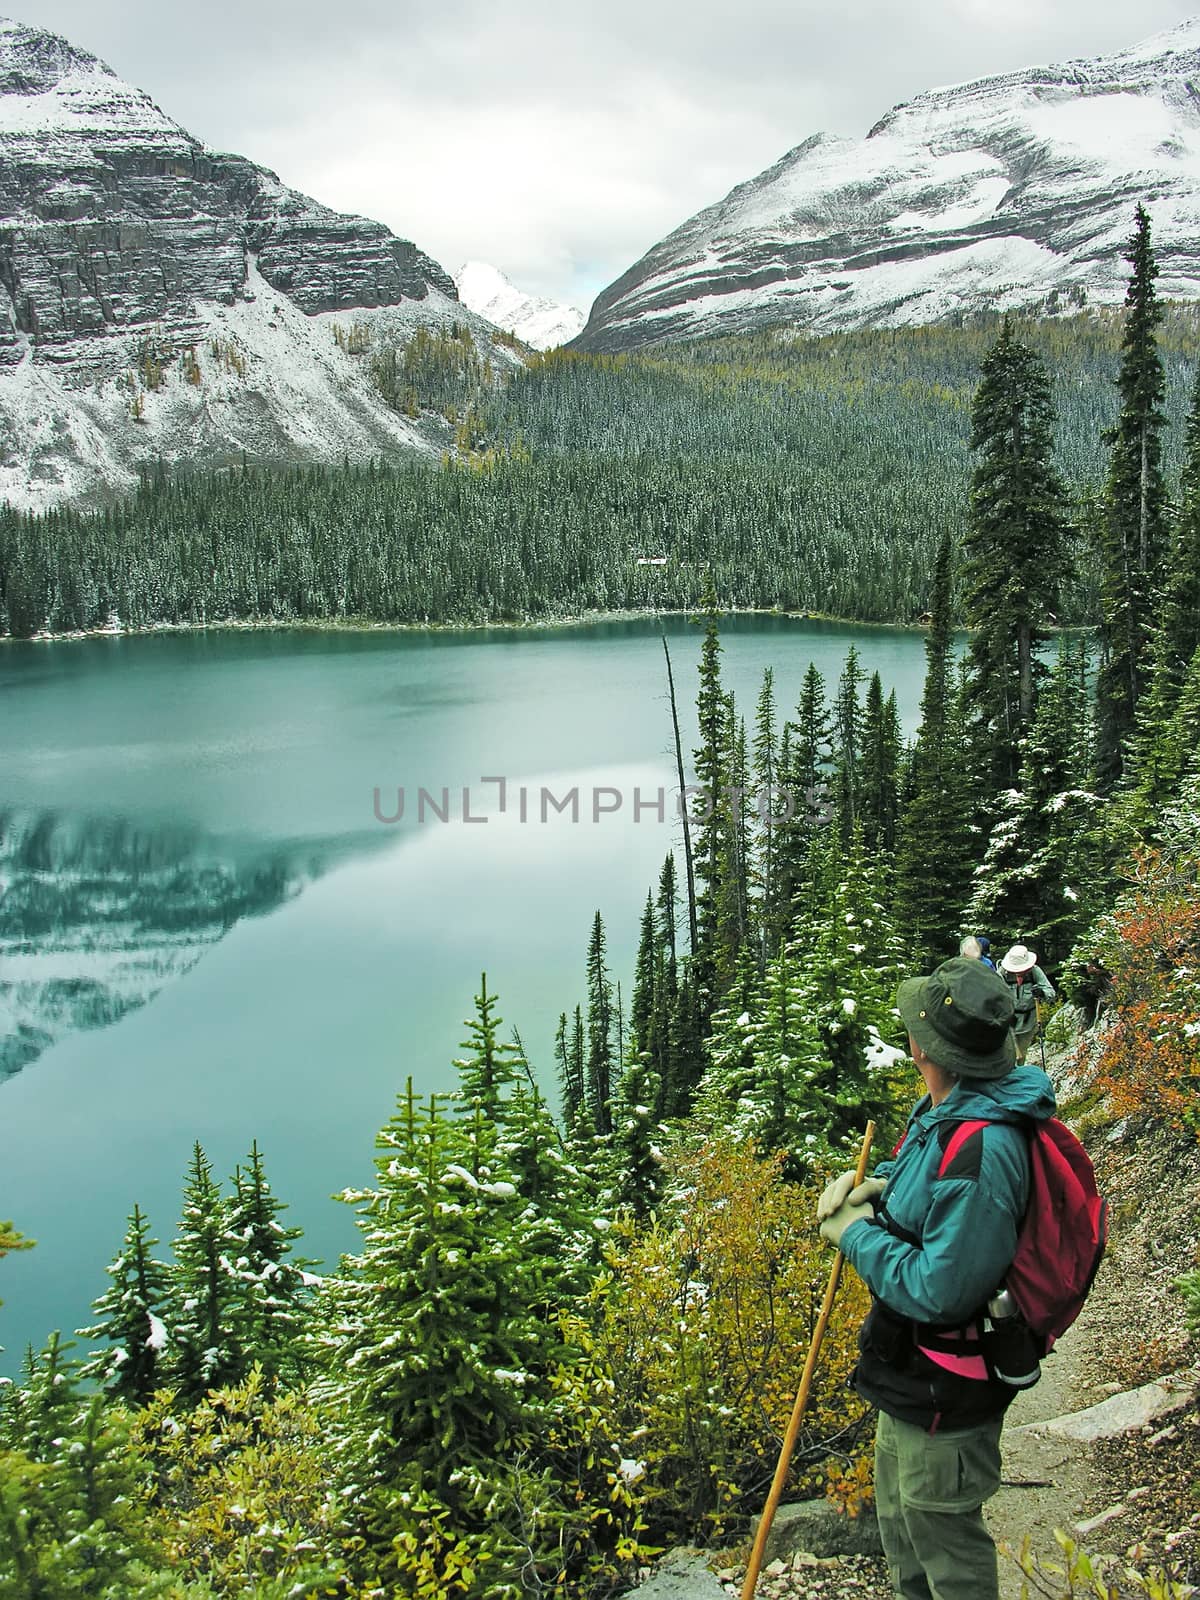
point(207, 934)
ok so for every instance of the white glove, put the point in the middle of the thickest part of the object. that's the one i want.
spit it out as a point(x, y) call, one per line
point(843, 1189)
point(833, 1196)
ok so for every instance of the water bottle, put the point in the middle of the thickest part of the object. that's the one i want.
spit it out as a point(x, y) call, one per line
point(1009, 1347)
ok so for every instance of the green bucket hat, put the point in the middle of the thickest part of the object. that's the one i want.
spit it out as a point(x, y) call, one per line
point(961, 1016)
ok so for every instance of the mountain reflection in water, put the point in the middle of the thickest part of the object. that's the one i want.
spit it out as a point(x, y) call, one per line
point(97, 914)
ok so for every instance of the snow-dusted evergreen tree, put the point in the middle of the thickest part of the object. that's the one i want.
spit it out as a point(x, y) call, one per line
point(766, 1061)
point(849, 962)
point(599, 1067)
point(734, 914)
point(488, 1073)
point(441, 1342)
point(569, 1061)
point(881, 758)
point(933, 858)
point(1134, 529)
point(207, 1347)
point(45, 1407)
point(1154, 769)
point(847, 755)
point(805, 767)
point(765, 782)
point(1013, 547)
point(636, 1138)
point(131, 1314)
point(276, 1287)
point(641, 1012)
point(712, 760)
point(1039, 877)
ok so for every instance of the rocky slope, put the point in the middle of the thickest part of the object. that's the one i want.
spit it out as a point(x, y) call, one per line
point(536, 321)
point(162, 300)
point(1008, 192)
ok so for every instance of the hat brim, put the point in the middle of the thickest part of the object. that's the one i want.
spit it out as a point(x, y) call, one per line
point(1019, 966)
point(944, 1053)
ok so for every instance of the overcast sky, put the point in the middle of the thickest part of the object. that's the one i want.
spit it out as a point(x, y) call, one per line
point(558, 139)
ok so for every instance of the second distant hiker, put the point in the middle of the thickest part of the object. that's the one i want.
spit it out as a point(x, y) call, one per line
point(1028, 984)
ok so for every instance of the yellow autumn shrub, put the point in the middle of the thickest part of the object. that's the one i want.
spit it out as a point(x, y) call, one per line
point(241, 1487)
point(704, 1327)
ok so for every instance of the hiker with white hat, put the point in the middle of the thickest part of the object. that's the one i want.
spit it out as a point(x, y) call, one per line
point(1028, 984)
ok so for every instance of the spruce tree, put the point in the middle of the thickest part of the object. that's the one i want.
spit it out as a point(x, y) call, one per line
point(881, 754)
point(1133, 534)
point(641, 1014)
point(636, 1135)
point(933, 855)
point(206, 1322)
point(488, 1073)
point(848, 733)
point(599, 1070)
point(766, 781)
point(441, 1342)
point(1153, 771)
point(276, 1286)
point(734, 914)
point(131, 1316)
point(805, 762)
point(72, 1523)
point(712, 762)
point(1038, 881)
point(568, 1056)
point(1014, 547)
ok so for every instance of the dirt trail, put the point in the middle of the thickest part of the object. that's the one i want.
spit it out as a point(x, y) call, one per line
point(1130, 1332)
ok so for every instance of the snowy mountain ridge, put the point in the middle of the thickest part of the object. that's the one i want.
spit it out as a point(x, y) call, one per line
point(1009, 192)
point(537, 321)
point(163, 301)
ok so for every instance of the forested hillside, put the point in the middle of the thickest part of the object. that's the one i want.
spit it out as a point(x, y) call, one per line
point(801, 474)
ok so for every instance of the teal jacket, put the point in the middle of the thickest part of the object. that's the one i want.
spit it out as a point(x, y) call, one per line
point(938, 1247)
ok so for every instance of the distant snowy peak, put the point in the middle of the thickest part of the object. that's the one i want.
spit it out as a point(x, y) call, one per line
point(1009, 192)
point(538, 322)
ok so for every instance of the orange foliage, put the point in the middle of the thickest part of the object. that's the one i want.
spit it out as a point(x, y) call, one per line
point(1148, 1062)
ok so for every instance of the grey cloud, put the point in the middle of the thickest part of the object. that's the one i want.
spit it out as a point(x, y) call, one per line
point(559, 140)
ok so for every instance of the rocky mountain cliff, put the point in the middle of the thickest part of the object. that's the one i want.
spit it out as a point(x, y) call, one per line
point(535, 320)
point(1009, 192)
point(162, 300)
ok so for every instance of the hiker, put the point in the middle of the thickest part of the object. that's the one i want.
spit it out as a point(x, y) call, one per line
point(932, 1234)
point(975, 948)
point(1028, 984)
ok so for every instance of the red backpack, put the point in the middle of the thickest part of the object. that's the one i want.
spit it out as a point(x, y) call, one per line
point(1063, 1233)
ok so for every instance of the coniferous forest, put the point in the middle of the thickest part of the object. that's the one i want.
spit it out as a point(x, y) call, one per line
point(570, 1336)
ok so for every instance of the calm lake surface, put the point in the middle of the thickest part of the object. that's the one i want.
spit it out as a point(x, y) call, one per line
point(206, 933)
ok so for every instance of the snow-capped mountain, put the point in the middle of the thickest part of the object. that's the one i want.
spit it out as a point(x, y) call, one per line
point(536, 321)
point(162, 300)
point(1008, 192)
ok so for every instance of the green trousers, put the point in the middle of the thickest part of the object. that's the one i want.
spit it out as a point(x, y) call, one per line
point(929, 1490)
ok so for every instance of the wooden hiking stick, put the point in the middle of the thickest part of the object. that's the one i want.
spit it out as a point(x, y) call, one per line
point(810, 1366)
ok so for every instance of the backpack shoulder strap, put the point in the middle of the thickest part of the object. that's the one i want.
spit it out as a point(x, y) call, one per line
point(957, 1161)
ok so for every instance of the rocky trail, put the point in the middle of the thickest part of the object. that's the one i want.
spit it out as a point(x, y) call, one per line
point(1106, 1447)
